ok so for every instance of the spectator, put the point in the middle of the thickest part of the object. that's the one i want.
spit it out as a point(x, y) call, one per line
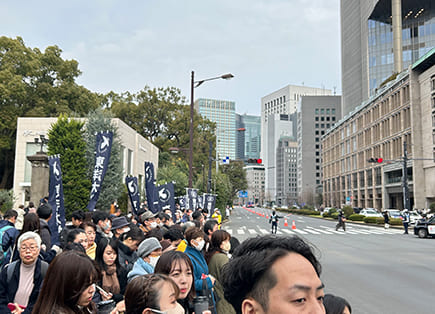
point(210, 227)
point(20, 218)
point(341, 221)
point(77, 218)
point(68, 286)
point(103, 223)
point(30, 209)
point(78, 236)
point(167, 222)
point(149, 252)
point(282, 271)
point(44, 212)
point(217, 215)
point(127, 247)
point(386, 220)
point(203, 280)
point(90, 231)
point(216, 258)
point(336, 305)
point(197, 216)
point(8, 234)
point(175, 236)
point(120, 225)
point(148, 221)
point(113, 276)
point(153, 293)
point(21, 280)
point(178, 267)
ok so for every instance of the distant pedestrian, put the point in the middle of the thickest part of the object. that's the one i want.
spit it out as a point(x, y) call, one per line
point(405, 221)
point(341, 221)
point(274, 220)
point(336, 305)
point(386, 220)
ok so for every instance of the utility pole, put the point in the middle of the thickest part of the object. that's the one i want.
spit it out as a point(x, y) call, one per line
point(406, 203)
point(210, 159)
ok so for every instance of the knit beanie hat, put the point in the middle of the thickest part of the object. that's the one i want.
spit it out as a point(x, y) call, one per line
point(147, 246)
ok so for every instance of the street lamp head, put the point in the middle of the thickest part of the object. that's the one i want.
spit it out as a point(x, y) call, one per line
point(174, 150)
point(227, 76)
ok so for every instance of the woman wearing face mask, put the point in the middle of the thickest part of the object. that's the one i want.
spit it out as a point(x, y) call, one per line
point(113, 276)
point(148, 252)
point(217, 257)
point(151, 294)
point(178, 267)
point(203, 280)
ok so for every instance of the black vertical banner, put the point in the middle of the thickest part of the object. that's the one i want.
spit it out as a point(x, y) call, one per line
point(210, 203)
point(166, 197)
point(192, 199)
point(133, 192)
point(55, 199)
point(151, 190)
point(103, 148)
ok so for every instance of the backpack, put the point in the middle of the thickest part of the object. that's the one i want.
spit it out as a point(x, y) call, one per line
point(3, 253)
point(11, 268)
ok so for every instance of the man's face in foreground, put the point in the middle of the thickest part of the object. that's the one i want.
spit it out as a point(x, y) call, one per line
point(298, 290)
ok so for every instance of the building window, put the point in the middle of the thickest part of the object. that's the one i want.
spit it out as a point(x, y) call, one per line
point(317, 111)
point(317, 132)
point(322, 111)
point(323, 125)
point(333, 118)
point(317, 125)
point(317, 146)
point(332, 111)
point(317, 118)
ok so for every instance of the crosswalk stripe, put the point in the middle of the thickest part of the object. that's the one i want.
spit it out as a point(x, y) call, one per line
point(322, 231)
point(300, 231)
point(311, 231)
point(230, 231)
point(240, 231)
point(264, 231)
point(252, 231)
point(288, 231)
point(278, 232)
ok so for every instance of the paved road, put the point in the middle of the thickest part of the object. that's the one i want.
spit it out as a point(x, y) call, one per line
point(376, 270)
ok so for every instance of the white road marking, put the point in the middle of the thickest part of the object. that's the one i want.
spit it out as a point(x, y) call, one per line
point(299, 231)
point(288, 231)
point(252, 231)
point(264, 231)
point(240, 231)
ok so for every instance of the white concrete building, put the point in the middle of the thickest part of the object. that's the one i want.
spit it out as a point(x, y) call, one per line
point(136, 150)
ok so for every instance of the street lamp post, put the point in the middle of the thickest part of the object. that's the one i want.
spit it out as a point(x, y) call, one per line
point(193, 85)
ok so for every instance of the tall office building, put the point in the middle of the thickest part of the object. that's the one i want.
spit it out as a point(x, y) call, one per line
point(316, 114)
point(255, 178)
point(367, 43)
point(252, 136)
point(240, 137)
point(221, 112)
point(286, 174)
point(278, 119)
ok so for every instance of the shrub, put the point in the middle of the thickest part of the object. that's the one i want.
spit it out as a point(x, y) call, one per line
point(379, 220)
point(6, 200)
point(334, 215)
point(332, 210)
point(395, 221)
point(370, 220)
point(348, 210)
point(356, 217)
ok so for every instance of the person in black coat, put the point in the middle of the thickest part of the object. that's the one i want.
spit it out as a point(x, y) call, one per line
point(127, 247)
point(29, 266)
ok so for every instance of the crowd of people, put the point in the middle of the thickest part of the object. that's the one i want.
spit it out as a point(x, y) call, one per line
point(105, 262)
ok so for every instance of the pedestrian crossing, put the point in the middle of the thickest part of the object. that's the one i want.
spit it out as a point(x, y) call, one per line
point(318, 231)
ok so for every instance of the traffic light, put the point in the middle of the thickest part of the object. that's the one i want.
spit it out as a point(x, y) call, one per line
point(254, 161)
point(376, 160)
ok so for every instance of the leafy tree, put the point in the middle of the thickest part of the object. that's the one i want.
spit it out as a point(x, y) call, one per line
point(113, 182)
point(223, 190)
point(6, 200)
point(175, 172)
point(66, 138)
point(237, 176)
point(35, 84)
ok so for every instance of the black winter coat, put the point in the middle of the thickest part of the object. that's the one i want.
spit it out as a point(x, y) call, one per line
point(8, 290)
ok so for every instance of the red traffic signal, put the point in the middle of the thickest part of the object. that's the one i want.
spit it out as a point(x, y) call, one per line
point(254, 161)
point(376, 160)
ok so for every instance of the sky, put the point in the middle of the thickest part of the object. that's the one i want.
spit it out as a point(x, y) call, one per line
point(127, 45)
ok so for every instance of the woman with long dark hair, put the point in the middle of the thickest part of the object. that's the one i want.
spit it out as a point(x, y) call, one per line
point(68, 285)
point(217, 257)
point(179, 268)
point(113, 276)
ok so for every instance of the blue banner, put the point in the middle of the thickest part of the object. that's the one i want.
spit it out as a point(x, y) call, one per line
point(166, 197)
point(151, 190)
point(103, 148)
point(182, 201)
point(55, 199)
point(133, 192)
point(192, 199)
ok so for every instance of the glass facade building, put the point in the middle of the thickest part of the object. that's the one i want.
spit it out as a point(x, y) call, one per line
point(418, 37)
point(223, 113)
point(252, 125)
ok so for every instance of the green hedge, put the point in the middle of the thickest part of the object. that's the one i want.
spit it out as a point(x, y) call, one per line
point(372, 220)
point(299, 211)
point(334, 215)
point(356, 217)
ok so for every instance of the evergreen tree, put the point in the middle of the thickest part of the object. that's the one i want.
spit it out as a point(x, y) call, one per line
point(66, 138)
point(112, 187)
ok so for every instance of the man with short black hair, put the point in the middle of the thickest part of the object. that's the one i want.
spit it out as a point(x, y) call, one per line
point(197, 216)
point(282, 277)
point(103, 223)
point(77, 218)
point(8, 232)
point(44, 213)
point(210, 226)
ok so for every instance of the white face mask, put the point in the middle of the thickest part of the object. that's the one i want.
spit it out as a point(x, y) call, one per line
point(154, 260)
point(200, 245)
point(153, 224)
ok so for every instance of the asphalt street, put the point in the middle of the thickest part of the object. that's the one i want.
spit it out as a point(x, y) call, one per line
point(377, 270)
